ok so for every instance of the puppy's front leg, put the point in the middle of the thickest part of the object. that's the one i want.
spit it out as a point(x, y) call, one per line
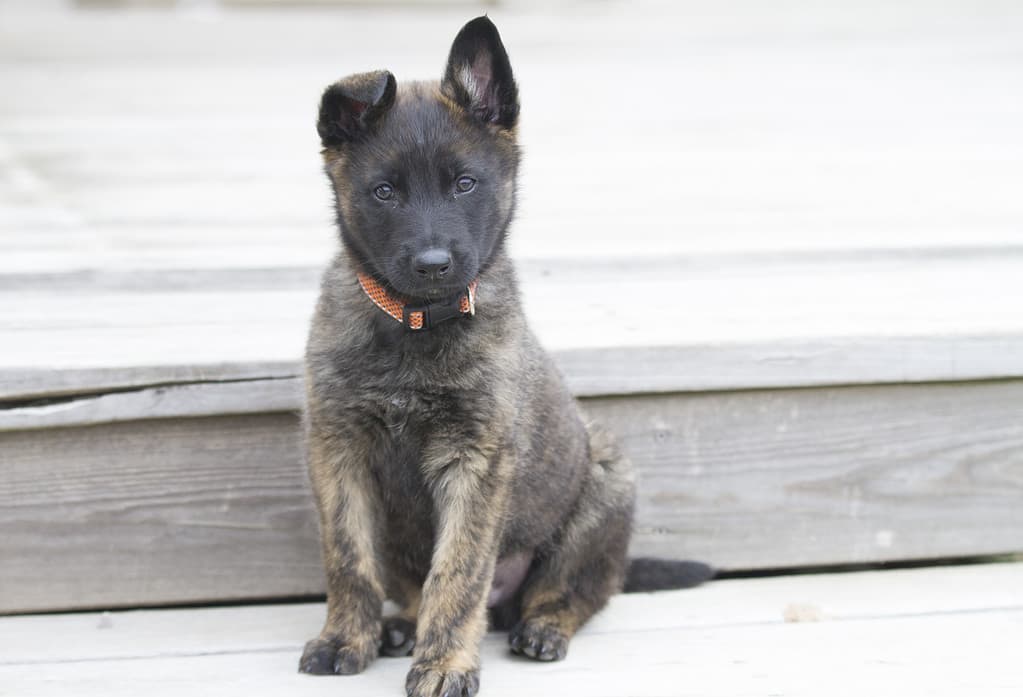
point(349, 507)
point(470, 490)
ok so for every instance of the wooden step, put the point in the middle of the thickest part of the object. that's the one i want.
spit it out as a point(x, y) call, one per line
point(791, 283)
point(890, 632)
point(639, 325)
point(163, 463)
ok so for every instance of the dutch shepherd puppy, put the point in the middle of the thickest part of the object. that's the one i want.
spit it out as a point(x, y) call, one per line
point(451, 468)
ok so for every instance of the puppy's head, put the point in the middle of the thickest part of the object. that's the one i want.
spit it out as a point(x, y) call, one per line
point(424, 173)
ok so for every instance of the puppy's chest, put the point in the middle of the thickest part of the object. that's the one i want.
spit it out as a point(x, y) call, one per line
point(415, 422)
point(411, 421)
point(413, 416)
point(405, 414)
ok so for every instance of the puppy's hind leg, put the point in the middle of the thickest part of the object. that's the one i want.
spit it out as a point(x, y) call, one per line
point(585, 565)
point(398, 638)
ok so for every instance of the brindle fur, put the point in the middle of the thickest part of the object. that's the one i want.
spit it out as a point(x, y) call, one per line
point(434, 454)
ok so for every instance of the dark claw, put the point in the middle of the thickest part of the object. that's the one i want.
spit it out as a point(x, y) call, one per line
point(553, 650)
point(425, 682)
point(538, 642)
point(348, 662)
point(318, 658)
point(331, 657)
point(453, 685)
point(472, 684)
point(530, 648)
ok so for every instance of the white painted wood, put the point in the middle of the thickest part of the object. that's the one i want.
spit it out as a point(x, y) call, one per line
point(881, 632)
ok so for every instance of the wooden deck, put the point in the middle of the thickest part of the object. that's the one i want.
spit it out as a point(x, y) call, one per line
point(943, 632)
point(786, 245)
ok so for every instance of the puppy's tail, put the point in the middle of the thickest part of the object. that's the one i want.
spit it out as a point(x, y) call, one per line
point(645, 575)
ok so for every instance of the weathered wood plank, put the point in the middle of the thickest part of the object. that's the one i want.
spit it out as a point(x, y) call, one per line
point(913, 656)
point(839, 475)
point(646, 325)
point(588, 372)
point(733, 603)
point(136, 180)
point(251, 388)
point(226, 398)
point(769, 138)
point(175, 510)
point(661, 645)
point(190, 509)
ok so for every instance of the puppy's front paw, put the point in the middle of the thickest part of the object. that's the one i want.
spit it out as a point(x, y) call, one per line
point(428, 681)
point(334, 656)
point(538, 640)
point(398, 638)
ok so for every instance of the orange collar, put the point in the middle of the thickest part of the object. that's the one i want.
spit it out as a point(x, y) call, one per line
point(417, 317)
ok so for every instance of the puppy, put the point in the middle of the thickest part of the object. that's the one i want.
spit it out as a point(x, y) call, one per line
point(452, 471)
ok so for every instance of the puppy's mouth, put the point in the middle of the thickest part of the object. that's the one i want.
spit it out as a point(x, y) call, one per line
point(436, 293)
point(426, 292)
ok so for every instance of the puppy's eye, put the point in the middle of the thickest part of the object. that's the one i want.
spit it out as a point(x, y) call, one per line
point(384, 192)
point(465, 184)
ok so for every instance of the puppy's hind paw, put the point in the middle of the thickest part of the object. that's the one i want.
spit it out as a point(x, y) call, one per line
point(538, 641)
point(398, 637)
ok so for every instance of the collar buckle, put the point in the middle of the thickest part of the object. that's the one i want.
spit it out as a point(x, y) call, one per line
point(431, 314)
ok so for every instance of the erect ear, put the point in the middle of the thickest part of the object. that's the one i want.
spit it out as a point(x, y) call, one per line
point(479, 76)
point(350, 106)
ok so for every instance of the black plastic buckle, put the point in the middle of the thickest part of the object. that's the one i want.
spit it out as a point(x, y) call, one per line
point(434, 313)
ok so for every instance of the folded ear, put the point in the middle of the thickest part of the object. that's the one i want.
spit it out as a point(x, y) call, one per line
point(479, 76)
point(350, 106)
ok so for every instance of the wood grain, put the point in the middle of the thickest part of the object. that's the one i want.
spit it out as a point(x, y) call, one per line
point(883, 127)
point(828, 476)
point(189, 509)
point(882, 632)
point(823, 197)
point(914, 655)
point(850, 596)
point(646, 326)
point(157, 511)
point(894, 141)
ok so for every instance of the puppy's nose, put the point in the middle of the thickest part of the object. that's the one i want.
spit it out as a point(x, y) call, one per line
point(433, 264)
